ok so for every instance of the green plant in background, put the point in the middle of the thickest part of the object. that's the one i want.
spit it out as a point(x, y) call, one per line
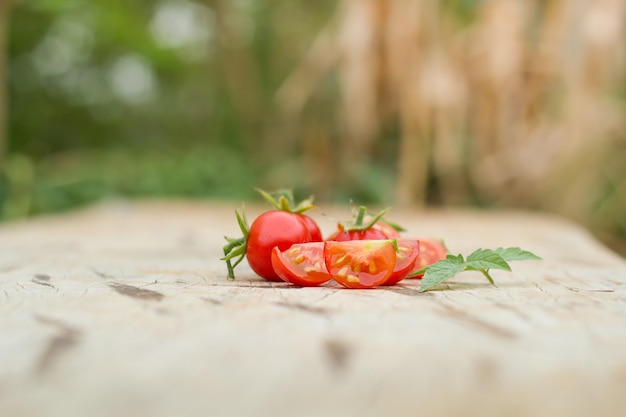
point(405, 102)
point(168, 98)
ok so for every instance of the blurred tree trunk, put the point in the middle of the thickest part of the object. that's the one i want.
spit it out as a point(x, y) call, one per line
point(4, 45)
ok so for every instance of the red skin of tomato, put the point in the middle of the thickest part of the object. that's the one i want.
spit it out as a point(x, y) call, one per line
point(406, 257)
point(359, 263)
point(431, 251)
point(387, 230)
point(302, 264)
point(316, 233)
point(341, 235)
point(271, 229)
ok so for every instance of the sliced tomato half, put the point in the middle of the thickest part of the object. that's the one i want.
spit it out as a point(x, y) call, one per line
point(360, 263)
point(302, 264)
point(406, 257)
point(431, 251)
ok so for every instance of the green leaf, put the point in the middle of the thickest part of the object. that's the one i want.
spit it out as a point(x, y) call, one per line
point(481, 260)
point(487, 259)
point(243, 222)
point(395, 226)
point(515, 254)
point(442, 270)
point(458, 258)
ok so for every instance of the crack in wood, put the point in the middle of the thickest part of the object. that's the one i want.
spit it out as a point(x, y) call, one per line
point(408, 291)
point(303, 307)
point(590, 289)
point(135, 292)
point(211, 301)
point(273, 286)
point(102, 274)
point(60, 343)
point(479, 323)
point(43, 279)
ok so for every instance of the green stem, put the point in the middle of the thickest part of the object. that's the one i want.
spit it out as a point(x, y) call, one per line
point(284, 204)
point(229, 266)
point(360, 215)
point(486, 274)
point(228, 248)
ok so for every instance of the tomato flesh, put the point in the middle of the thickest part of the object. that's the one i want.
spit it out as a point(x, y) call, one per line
point(360, 263)
point(431, 251)
point(273, 229)
point(302, 264)
point(406, 257)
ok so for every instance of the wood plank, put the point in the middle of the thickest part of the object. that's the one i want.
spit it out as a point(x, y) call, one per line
point(124, 309)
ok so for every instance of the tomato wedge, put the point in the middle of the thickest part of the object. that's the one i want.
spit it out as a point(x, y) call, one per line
point(302, 264)
point(360, 263)
point(431, 251)
point(406, 257)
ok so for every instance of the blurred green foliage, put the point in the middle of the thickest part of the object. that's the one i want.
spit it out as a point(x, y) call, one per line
point(111, 98)
point(178, 98)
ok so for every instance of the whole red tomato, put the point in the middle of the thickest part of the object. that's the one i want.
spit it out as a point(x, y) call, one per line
point(272, 229)
point(282, 227)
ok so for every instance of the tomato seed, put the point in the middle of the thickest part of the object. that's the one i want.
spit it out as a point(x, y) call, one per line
point(372, 267)
point(340, 261)
point(352, 278)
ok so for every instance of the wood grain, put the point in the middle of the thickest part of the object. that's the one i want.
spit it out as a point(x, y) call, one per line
point(124, 309)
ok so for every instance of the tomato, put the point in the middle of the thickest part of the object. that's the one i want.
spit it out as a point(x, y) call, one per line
point(342, 235)
point(314, 230)
point(281, 227)
point(431, 251)
point(386, 229)
point(406, 257)
point(302, 264)
point(365, 227)
point(360, 263)
point(271, 229)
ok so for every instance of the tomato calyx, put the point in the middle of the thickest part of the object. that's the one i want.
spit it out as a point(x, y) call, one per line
point(364, 225)
point(236, 247)
point(359, 223)
point(284, 200)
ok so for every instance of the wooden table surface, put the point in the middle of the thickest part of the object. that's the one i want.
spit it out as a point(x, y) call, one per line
point(123, 309)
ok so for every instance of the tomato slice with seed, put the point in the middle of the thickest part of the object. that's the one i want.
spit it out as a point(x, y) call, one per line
point(406, 257)
point(302, 264)
point(431, 251)
point(360, 263)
